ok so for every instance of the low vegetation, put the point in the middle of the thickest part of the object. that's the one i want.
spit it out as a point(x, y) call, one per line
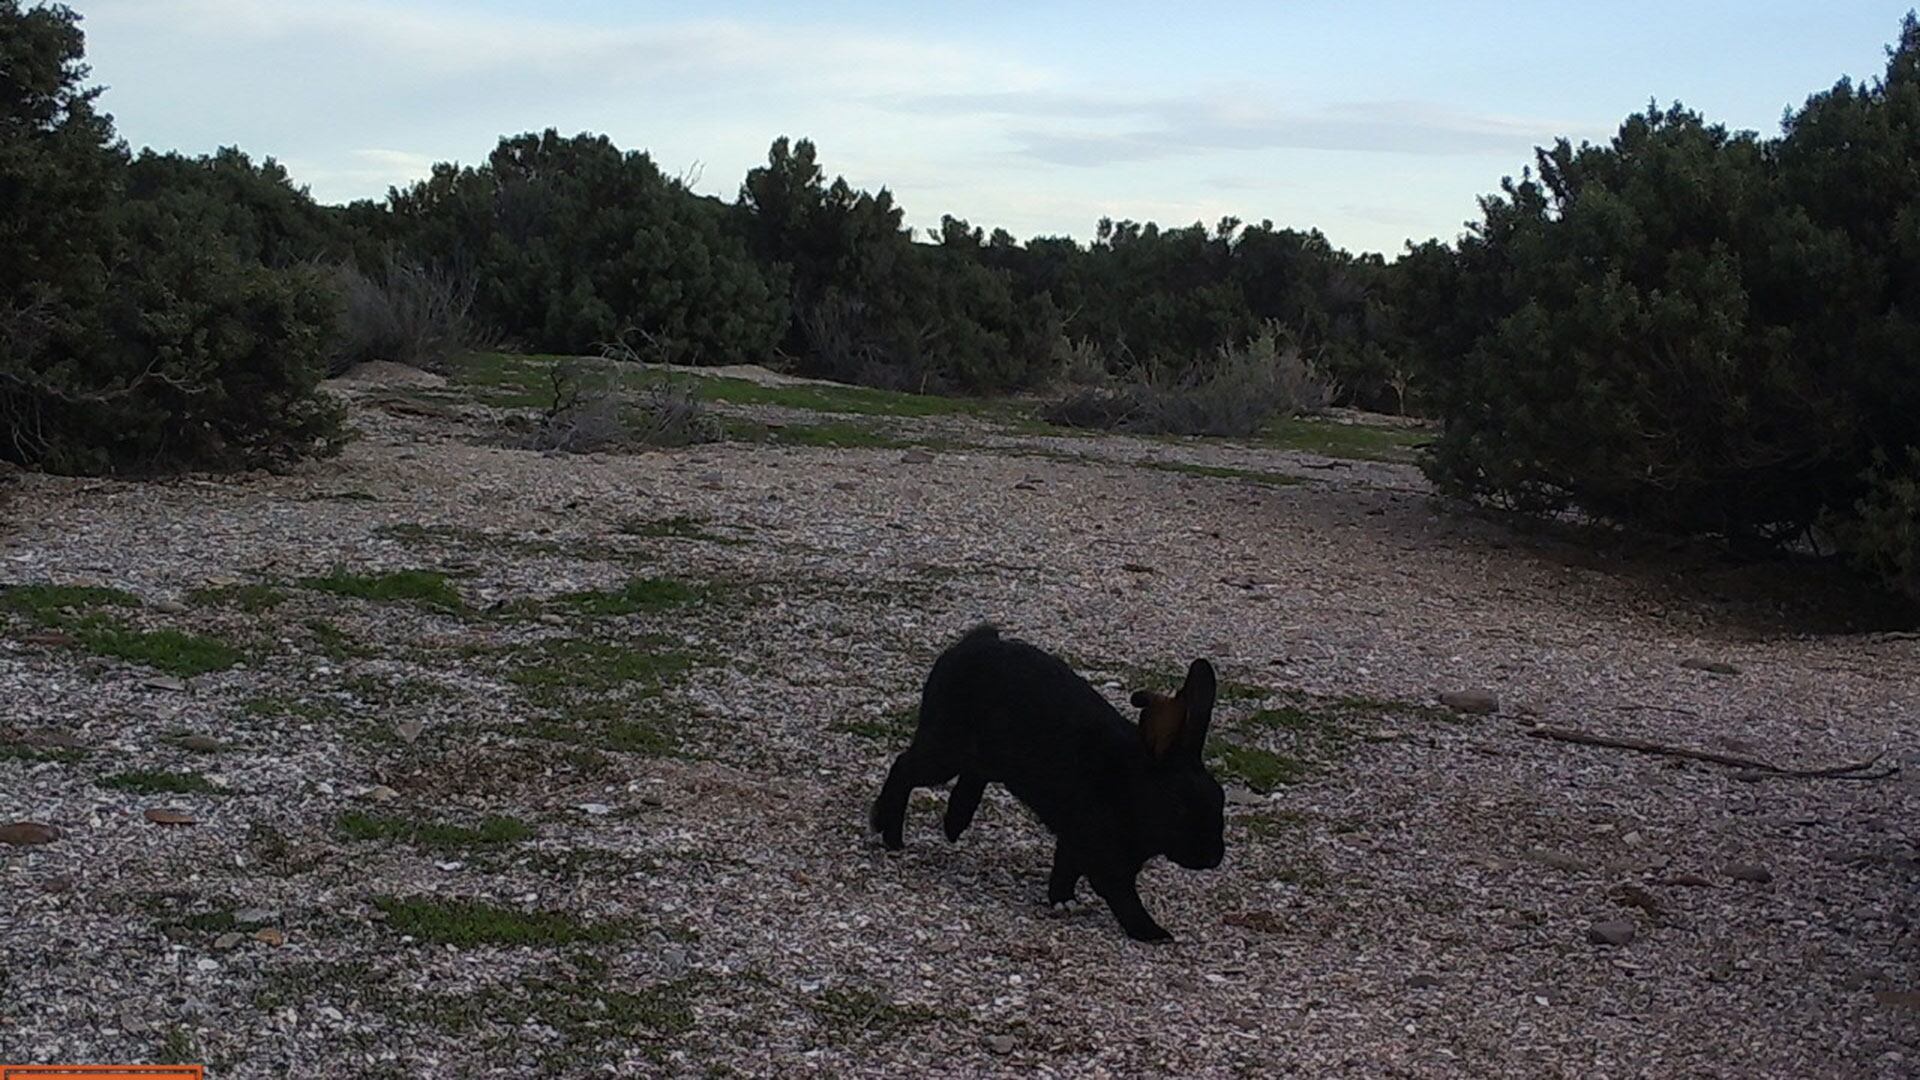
point(428, 588)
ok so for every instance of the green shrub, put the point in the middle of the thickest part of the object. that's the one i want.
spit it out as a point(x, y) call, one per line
point(1882, 536)
point(573, 242)
point(1696, 331)
point(132, 338)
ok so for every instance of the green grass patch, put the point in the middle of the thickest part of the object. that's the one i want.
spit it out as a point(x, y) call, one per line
point(854, 1012)
point(492, 831)
point(82, 612)
point(507, 381)
point(1252, 476)
point(429, 588)
point(1259, 768)
point(172, 651)
point(55, 605)
point(638, 596)
point(395, 692)
point(1313, 732)
point(334, 643)
point(607, 725)
point(1360, 442)
point(33, 755)
point(677, 527)
point(640, 737)
point(154, 782)
point(1291, 717)
point(252, 599)
point(466, 923)
point(1273, 824)
point(586, 1012)
point(589, 664)
point(861, 400)
point(178, 1047)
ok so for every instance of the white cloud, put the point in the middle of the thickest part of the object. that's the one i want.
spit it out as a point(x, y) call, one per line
point(356, 96)
point(455, 41)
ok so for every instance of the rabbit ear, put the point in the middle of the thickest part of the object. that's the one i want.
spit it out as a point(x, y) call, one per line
point(1196, 699)
point(1162, 720)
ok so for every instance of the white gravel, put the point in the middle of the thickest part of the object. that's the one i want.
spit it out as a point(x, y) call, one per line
point(1419, 905)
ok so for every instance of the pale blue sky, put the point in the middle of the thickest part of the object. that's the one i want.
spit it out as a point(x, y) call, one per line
point(1375, 122)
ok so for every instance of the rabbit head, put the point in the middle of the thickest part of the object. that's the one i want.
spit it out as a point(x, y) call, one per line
point(1186, 806)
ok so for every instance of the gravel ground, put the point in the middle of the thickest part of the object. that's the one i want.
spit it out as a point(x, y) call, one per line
point(541, 824)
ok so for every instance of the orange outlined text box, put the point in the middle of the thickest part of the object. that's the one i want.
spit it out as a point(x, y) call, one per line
point(104, 1071)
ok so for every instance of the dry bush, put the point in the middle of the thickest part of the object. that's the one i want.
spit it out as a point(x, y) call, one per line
point(1246, 387)
point(590, 414)
point(405, 314)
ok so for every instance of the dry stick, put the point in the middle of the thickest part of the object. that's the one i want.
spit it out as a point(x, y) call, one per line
point(1587, 738)
point(1656, 708)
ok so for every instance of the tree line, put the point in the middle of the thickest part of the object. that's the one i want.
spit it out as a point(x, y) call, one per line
point(1686, 328)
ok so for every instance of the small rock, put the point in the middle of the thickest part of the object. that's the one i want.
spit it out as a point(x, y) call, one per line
point(267, 935)
point(253, 916)
point(228, 940)
point(55, 740)
point(674, 959)
point(1239, 796)
point(1422, 981)
point(165, 682)
point(1001, 1044)
point(550, 619)
point(845, 485)
point(1898, 999)
point(205, 964)
point(594, 809)
point(50, 638)
point(57, 885)
point(202, 744)
point(1753, 872)
point(170, 607)
point(1690, 881)
point(1475, 702)
point(28, 833)
point(164, 816)
point(916, 456)
point(1712, 667)
point(409, 730)
point(381, 793)
point(1136, 568)
point(1611, 932)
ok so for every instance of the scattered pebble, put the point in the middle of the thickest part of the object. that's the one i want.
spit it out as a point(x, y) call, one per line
point(1611, 932)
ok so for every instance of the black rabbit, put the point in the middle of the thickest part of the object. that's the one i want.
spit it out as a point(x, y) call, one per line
point(1113, 793)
